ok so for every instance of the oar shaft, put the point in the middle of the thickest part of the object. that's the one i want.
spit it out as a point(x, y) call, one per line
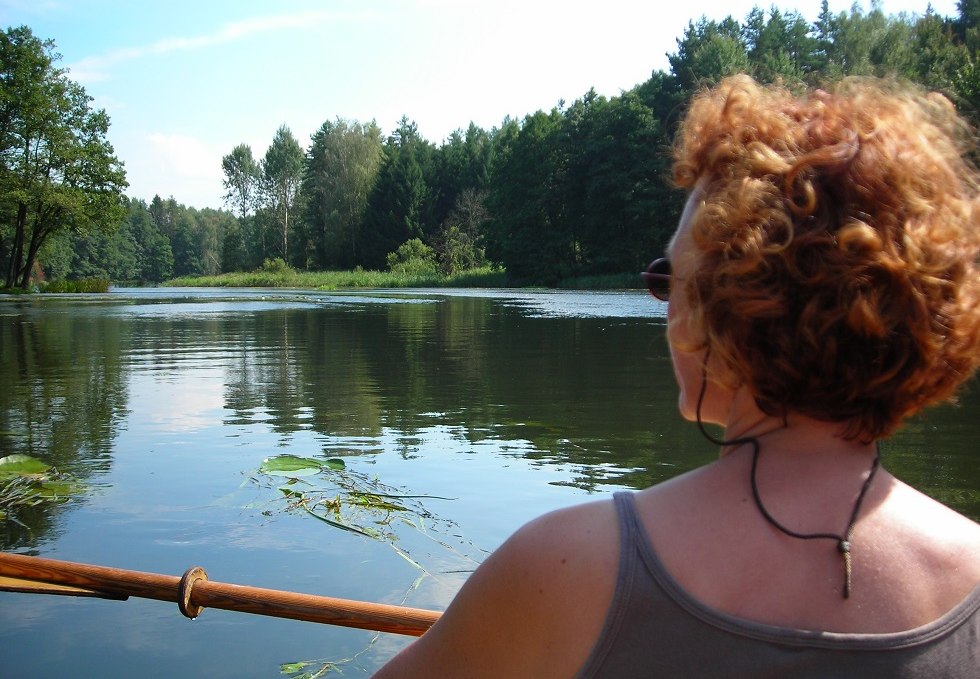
point(328, 610)
point(194, 592)
point(101, 578)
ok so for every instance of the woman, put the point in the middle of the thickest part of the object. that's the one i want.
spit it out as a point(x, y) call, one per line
point(823, 286)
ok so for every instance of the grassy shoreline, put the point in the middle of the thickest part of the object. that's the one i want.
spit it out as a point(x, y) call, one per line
point(339, 280)
point(486, 277)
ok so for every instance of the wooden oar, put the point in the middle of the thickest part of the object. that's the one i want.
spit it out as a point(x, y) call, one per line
point(194, 591)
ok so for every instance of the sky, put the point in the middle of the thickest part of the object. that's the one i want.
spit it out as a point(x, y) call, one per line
point(185, 82)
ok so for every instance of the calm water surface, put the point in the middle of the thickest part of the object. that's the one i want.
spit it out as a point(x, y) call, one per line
point(487, 407)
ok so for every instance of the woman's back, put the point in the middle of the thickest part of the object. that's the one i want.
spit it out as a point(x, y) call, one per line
point(913, 559)
point(555, 595)
point(657, 628)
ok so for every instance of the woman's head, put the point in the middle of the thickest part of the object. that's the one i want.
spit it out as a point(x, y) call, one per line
point(837, 245)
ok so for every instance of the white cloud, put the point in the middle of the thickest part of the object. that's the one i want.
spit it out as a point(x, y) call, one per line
point(179, 407)
point(96, 68)
point(185, 156)
point(171, 164)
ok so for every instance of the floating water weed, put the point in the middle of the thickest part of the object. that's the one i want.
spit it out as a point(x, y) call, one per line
point(27, 482)
point(346, 499)
point(349, 500)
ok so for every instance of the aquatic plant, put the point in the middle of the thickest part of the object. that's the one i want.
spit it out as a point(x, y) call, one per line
point(26, 482)
point(349, 500)
point(84, 285)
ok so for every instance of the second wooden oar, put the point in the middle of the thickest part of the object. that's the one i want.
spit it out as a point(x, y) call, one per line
point(194, 591)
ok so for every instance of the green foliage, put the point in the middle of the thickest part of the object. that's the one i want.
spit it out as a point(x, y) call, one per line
point(342, 167)
point(580, 192)
point(82, 285)
point(352, 501)
point(208, 235)
point(276, 265)
point(708, 51)
point(460, 243)
point(346, 499)
point(458, 250)
point(58, 170)
point(413, 257)
point(150, 244)
point(460, 166)
point(615, 190)
point(242, 179)
point(244, 246)
point(26, 481)
point(232, 248)
point(21, 465)
point(483, 277)
point(158, 263)
point(294, 466)
point(525, 230)
point(184, 247)
point(780, 47)
point(395, 209)
point(282, 169)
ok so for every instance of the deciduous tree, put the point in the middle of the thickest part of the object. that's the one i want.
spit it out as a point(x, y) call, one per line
point(57, 169)
point(282, 173)
point(243, 176)
point(341, 169)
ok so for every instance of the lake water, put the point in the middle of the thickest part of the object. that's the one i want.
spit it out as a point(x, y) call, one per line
point(486, 407)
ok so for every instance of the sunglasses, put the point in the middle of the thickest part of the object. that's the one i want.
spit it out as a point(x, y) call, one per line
point(657, 277)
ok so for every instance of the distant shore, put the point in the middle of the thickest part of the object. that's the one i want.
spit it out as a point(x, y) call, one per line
point(486, 277)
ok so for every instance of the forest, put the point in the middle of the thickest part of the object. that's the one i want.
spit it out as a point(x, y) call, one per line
point(580, 191)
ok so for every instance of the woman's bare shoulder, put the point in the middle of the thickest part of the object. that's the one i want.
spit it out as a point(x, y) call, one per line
point(944, 540)
point(533, 608)
point(924, 557)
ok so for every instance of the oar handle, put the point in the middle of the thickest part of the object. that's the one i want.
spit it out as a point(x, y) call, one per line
point(194, 591)
point(116, 581)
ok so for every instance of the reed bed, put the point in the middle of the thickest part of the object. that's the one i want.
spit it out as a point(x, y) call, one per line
point(337, 280)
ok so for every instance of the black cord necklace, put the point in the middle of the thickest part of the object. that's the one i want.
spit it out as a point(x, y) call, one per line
point(843, 541)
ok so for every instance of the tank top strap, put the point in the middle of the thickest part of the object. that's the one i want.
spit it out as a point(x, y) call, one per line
point(629, 521)
point(629, 561)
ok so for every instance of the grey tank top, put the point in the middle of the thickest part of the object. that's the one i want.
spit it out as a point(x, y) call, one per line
point(656, 629)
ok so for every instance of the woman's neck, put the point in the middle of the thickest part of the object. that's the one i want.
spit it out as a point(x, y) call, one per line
point(796, 434)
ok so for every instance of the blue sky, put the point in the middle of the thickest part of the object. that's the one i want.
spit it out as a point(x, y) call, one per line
point(184, 82)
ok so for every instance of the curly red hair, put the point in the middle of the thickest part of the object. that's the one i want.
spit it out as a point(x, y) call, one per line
point(838, 246)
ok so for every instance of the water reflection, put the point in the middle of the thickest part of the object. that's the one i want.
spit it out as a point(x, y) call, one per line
point(62, 401)
point(580, 379)
point(510, 403)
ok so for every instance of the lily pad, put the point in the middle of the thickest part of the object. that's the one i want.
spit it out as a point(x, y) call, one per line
point(58, 490)
point(21, 465)
point(293, 667)
point(293, 465)
point(290, 465)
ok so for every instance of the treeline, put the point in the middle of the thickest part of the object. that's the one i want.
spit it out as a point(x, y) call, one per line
point(581, 190)
point(577, 191)
point(149, 244)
